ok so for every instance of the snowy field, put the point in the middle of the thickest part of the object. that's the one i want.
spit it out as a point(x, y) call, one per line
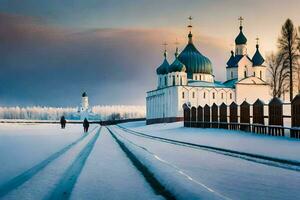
point(42, 161)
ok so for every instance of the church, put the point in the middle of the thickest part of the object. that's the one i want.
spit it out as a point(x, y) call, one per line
point(189, 79)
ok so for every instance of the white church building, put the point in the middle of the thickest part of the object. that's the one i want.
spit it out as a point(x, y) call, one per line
point(190, 79)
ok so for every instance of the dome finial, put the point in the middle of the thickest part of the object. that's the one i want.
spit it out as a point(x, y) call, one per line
point(190, 30)
point(241, 22)
point(176, 45)
point(257, 42)
point(165, 49)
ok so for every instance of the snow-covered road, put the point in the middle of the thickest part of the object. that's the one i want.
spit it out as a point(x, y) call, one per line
point(46, 162)
point(84, 166)
point(231, 177)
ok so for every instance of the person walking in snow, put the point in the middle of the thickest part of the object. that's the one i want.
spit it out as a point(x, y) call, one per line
point(63, 122)
point(86, 125)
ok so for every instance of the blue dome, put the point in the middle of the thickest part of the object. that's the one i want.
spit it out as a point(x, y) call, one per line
point(257, 59)
point(240, 39)
point(177, 66)
point(194, 61)
point(164, 67)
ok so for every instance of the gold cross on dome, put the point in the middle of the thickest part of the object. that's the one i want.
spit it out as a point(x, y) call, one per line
point(165, 44)
point(190, 25)
point(257, 40)
point(241, 20)
point(176, 42)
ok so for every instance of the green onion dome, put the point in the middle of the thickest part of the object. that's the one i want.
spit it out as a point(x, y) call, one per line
point(240, 39)
point(257, 59)
point(177, 66)
point(194, 61)
point(164, 67)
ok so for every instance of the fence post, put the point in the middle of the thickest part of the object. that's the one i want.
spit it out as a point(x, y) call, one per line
point(214, 116)
point(206, 116)
point(186, 115)
point(199, 116)
point(295, 116)
point(276, 117)
point(233, 117)
point(223, 116)
point(193, 116)
point(245, 116)
point(258, 117)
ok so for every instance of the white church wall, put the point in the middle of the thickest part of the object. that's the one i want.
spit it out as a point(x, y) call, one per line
point(244, 65)
point(203, 77)
point(260, 72)
point(251, 93)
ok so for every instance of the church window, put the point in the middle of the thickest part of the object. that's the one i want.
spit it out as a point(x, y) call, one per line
point(196, 77)
point(193, 95)
point(245, 74)
point(173, 80)
point(214, 95)
point(200, 78)
point(222, 96)
point(180, 80)
point(165, 81)
point(254, 73)
point(260, 74)
point(204, 95)
point(231, 74)
point(230, 95)
point(183, 95)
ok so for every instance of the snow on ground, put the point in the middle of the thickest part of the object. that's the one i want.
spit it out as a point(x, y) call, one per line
point(43, 183)
point(106, 172)
point(23, 145)
point(278, 147)
point(228, 177)
point(109, 174)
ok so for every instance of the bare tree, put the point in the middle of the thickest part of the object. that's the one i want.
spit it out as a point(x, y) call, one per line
point(288, 49)
point(278, 74)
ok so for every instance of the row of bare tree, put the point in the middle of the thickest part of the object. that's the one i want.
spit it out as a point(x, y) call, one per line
point(284, 65)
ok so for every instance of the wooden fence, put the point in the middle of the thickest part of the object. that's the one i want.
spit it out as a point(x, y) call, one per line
point(258, 118)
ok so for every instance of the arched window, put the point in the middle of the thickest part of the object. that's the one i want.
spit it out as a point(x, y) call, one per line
point(165, 81)
point(214, 96)
point(260, 74)
point(222, 96)
point(180, 80)
point(245, 74)
point(204, 95)
point(173, 80)
point(183, 95)
point(231, 74)
point(193, 95)
point(230, 95)
point(200, 78)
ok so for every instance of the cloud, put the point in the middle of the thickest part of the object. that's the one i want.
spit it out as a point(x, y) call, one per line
point(50, 65)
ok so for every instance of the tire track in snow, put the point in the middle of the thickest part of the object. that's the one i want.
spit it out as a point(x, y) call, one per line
point(67, 182)
point(261, 159)
point(28, 174)
point(148, 175)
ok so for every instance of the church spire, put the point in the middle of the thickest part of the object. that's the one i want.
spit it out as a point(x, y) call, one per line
point(176, 52)
point(190, 36)
point(241, 22)
point(165, 49)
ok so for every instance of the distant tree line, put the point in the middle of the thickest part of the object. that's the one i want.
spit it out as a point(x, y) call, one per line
point(53, 113)
point(284, 65)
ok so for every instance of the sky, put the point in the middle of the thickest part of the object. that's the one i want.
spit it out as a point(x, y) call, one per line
point(52, 51)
